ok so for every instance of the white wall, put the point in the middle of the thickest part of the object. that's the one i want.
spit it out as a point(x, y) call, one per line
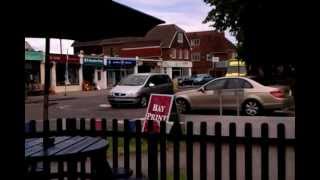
point(42, 70)
point(103, 82)
point(53, 77)
point(61, 89)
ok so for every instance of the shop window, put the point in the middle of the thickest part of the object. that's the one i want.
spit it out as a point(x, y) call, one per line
point(73, 74)
point(99, 75)
point(180, 37)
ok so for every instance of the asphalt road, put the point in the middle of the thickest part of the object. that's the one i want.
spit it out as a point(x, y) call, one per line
point(94, 104)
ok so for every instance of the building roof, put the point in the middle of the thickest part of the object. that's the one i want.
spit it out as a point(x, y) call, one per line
point(27, 46)
point(164, 33)
point(161, 33)
point(214, 40)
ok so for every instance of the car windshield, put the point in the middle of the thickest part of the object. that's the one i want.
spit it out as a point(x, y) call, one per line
point(133, 80)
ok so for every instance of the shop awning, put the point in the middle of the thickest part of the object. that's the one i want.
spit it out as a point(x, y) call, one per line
point(33, 55)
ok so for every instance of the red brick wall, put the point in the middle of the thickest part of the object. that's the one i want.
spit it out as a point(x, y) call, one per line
point(210, 42)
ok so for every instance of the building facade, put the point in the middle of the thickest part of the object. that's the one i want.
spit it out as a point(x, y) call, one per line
point(208, 47)
point(161, 44)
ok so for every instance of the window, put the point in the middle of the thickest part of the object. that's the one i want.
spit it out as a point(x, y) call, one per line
point(218, 84)
point(195, 42)
point(233, 84)
point(180, 53)
point(186, 54)
point(173, 53)
point(209, 57)
point(245, 84)
point(238, 84)
point(99, 76)
point(157, 80)
point(73, 74)
point(180, 37)
point(195, 56)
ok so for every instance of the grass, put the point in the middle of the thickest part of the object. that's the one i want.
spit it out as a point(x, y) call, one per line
point(183, 176)
point(132, 146)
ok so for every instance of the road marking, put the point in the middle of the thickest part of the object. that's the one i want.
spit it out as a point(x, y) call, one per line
point(64, 106)
point(105, 105)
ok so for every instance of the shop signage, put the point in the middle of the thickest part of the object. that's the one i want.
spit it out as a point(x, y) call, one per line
point(119, 62)
point(237, 63)
point(93, 61)
point(176, 64)
point(159, 109)
point(58, 58)
point(33, 56)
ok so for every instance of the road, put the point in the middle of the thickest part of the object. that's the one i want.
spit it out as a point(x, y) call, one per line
point(94, 104)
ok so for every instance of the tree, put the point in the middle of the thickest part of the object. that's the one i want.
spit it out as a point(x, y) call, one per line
point(260, 28)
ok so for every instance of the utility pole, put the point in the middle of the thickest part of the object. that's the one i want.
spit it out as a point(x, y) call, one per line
point(47, 80)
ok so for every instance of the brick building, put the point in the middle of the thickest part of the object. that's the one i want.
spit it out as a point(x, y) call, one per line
point(165, 48)
point(208, 44)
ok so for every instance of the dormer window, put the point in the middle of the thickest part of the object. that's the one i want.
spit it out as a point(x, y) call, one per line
point(180, 37)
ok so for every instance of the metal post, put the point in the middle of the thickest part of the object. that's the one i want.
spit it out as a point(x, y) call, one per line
point(238, 110)
point(220, 102)
point(47, 80)
point(66, 75)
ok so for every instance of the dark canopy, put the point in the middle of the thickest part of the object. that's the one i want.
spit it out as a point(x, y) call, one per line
point(86, 21)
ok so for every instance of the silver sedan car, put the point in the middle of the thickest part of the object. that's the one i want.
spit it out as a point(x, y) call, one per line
point(230, 93)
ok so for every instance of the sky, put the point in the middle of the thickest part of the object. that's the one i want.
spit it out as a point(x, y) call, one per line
point(187, 14)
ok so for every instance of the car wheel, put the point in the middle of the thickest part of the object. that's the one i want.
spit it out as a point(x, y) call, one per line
point(143, 101)
point(183, 106)
point(252, 108)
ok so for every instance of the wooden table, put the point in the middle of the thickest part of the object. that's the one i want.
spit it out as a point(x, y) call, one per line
point(70, 150)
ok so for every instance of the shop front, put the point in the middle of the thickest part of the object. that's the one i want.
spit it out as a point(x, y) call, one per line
point(177, 68)
point(34, 79)
point(149, 65)
point(118, 68)
point(94, 73)
point(65, 73)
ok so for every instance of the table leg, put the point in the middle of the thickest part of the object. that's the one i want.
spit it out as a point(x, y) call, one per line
point(100, 167)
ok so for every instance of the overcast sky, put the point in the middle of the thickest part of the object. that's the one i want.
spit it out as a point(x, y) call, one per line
point(187, 14)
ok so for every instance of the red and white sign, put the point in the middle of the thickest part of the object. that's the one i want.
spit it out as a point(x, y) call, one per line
point(58, 58)
point(159, 109)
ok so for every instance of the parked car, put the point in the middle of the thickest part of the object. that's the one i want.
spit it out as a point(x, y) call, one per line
point(252, 97)
point(182, 79)
point(136, 88)
point(201, 79)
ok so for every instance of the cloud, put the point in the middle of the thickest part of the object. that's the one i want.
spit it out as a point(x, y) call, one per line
point(158, 3)
point(187, 14)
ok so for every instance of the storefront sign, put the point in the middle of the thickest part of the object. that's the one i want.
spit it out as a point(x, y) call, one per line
point(33, 56)
point(93, 61)
point(237, 63)
point(159, 109)
point(176, 64)
point(120, 62)
point(58, 58)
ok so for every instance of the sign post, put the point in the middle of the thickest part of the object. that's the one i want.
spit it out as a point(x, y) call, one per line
point(159, 109)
